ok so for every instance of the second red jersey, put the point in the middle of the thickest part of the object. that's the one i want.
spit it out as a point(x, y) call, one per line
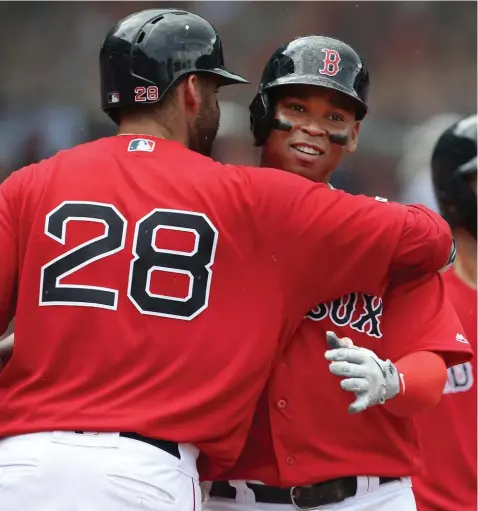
point(448, 435)
point(303, 433)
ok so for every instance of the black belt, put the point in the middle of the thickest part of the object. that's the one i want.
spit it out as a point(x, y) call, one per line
point(302, 497)
point(165, 445)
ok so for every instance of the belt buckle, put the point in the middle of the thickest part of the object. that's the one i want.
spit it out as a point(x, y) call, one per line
point(292, 498)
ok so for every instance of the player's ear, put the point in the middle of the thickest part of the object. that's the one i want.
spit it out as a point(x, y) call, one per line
point(192, 93)
point(353, 137)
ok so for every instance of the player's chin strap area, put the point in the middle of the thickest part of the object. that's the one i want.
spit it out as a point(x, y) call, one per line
point(335, 138)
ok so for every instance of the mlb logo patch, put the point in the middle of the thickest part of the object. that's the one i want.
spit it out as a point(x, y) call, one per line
point(113, 97)
point(141, 144)
point(380, 199)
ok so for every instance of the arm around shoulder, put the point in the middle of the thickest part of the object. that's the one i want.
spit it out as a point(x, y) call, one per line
point(427, 244)
point(328, 243)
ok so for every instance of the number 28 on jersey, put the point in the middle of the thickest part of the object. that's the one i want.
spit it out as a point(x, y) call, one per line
point(146, 258)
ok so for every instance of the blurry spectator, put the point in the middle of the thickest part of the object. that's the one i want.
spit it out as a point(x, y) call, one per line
point(234, 143)
point(414, 166)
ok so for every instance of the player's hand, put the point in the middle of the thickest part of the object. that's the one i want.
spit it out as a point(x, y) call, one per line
point(372, 379)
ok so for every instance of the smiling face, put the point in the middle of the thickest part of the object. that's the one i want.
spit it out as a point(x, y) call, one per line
point(315, 113)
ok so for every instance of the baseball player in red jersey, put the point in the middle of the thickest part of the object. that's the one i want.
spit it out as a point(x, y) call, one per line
point(448, 432)
point(153, 287)
point(305, 450)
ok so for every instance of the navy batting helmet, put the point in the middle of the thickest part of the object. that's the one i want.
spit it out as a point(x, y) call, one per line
point(312, 60)
point(453, 161)
point(145, 54)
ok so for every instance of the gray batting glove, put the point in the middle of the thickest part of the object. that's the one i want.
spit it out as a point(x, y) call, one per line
point(373, 380)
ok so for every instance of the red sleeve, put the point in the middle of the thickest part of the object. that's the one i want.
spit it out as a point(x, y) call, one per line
point(10, 193)
point(423, 376)
point(418, 316)
point(423, 238)
point(326, 243)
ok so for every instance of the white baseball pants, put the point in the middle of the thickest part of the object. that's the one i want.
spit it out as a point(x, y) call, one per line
point(394, 496)
point(65, 471)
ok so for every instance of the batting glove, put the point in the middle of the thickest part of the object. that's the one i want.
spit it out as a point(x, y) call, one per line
point(372, 379)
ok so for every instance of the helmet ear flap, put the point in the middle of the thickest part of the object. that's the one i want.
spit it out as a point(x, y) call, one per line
point(261, 116)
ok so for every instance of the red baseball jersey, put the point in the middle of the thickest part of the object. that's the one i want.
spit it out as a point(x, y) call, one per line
point(448, 432)
point(152, 287)
point(302, 432)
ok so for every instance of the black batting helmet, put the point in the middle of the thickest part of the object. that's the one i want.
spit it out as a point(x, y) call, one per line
point(145, 54)
point(453, 161)
point(311, 60)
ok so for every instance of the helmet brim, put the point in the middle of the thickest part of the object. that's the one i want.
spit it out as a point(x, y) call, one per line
point(226, 77)
point(319, 81)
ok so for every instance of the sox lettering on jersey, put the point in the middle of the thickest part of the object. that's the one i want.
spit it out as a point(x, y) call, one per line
point(331, 62)
point(342, 312)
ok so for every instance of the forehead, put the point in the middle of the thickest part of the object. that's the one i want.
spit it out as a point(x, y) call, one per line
point(313, 93)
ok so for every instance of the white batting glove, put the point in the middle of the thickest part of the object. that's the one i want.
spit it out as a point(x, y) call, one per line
point(372, 379)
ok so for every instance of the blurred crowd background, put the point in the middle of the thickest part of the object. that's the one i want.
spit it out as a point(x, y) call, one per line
point(422, 57)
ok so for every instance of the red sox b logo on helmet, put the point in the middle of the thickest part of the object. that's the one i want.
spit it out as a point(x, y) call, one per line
point(331, 62)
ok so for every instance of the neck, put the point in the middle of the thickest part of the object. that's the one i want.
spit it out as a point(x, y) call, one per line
point(465, 264)
point(149, 127)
